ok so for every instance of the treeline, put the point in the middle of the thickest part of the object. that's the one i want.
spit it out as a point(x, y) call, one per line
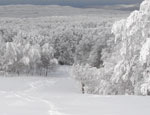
point(36, 45)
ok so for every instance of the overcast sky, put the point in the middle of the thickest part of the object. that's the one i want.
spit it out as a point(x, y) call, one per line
point(75, 3)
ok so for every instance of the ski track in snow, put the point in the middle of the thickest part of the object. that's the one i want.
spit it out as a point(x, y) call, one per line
point(52, 109)
point(35, 85)
point(24, 96)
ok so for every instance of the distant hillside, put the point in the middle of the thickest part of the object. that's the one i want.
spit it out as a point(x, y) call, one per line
point(121, 7)
point(54, 10)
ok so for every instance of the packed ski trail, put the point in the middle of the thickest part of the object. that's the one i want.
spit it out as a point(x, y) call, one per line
point(59, 94)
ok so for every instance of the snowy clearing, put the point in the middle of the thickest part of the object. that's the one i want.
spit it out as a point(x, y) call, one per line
point(58, 94)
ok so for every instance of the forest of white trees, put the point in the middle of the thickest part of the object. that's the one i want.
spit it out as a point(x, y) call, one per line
point(108, 58)
point(35, 46)
point(125, 64)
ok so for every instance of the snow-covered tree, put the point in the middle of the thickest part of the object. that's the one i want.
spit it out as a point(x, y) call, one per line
point(47, 57)
point(94, 80)
point(133, 35)
point(87, 76)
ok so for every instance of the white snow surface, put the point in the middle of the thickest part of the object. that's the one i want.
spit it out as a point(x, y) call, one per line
point(59, 94)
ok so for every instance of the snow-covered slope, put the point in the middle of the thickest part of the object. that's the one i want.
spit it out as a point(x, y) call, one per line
point(58, 94)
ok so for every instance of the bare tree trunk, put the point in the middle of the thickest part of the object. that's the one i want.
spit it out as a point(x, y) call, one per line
point(18, 72)
point(46, 73)
point(40, 72)
point(83, 88)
